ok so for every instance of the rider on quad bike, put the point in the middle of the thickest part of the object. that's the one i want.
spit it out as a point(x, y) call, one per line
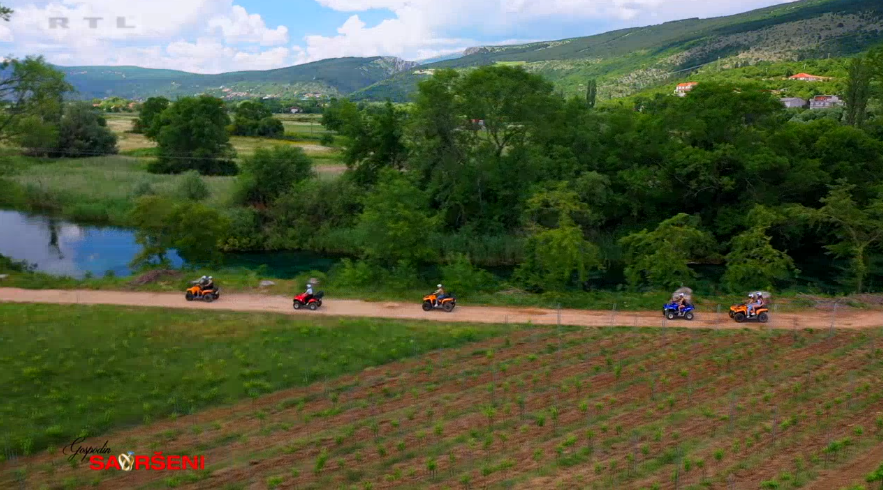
point(439, 295)
point(759, 302)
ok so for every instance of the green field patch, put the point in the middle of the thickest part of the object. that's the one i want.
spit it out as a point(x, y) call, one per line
point(69, 371)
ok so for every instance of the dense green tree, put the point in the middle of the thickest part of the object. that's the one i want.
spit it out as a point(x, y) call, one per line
point(374, 139)
point(508, 99)
point(6, 12)
point(150, 110)
point(859, 229)
point(753, 263)
point(317, 214)
point(193, 229)
point(269, 173)
point(858, 91)
point(396, 223)
point(83, 132)
point(592, 93)
point(33, 95)
point(192, 135)
point(662, 257)
point(255, 119)
point(557, 254)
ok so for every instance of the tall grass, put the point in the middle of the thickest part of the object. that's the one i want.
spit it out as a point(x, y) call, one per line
point(96, 190)
point(83, 370)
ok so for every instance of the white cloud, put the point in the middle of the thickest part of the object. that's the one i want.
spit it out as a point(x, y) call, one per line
point(420, 26)
point(210, 36)
point(239, 26)
point(151, 33)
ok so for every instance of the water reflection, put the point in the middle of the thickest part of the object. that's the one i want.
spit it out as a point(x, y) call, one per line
point(67, 249)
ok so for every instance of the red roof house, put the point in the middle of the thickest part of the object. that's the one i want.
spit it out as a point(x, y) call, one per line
point(806, 77)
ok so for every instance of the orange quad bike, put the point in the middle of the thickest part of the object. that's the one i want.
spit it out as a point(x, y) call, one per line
point(447, 303)
point(740, 314)
point(207, 295)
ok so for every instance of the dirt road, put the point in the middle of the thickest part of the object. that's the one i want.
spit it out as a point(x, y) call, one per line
point(468, 314)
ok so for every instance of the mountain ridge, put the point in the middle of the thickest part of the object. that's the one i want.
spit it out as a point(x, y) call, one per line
point(624, 61)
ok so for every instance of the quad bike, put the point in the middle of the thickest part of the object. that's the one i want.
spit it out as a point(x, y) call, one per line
point(313, 302)
point(447, 303)
point(761, 313)
point(672, 312)
point(207, 295)
point(740, 314)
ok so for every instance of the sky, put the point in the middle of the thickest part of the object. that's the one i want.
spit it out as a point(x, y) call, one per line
point(215, 36)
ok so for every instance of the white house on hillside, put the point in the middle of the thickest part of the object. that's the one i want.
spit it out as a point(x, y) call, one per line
point(682, 88)
point(825, 102)
point(794, 102)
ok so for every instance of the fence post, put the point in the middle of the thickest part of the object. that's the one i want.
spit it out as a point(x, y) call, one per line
point(613, 316)
point(833, 319)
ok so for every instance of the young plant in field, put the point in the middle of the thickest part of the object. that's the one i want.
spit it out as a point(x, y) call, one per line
point(489, 412)
point(401, 446)
point(521, 404)
point(465, 480)
point(431, 467)
point(320, 461)
point(274, 481)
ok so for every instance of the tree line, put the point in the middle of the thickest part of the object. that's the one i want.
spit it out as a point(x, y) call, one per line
point(720, 186)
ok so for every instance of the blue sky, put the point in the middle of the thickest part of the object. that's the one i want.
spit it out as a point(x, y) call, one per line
point(212, 36)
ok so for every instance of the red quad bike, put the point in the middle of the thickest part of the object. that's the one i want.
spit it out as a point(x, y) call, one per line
point(305, 300)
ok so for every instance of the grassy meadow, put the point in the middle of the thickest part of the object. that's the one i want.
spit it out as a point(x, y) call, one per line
point(69, 371)
point(102, 189)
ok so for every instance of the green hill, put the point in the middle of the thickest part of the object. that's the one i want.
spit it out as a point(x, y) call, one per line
point(630, 60)
point(625, 61)
point(332, 77)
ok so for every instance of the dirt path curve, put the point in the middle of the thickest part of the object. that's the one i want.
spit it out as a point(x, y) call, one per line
point(468, 314)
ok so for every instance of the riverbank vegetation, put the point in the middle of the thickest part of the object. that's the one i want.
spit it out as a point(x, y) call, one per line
point(722, 190)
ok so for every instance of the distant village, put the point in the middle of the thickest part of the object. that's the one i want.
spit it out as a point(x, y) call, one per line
point(817, 102)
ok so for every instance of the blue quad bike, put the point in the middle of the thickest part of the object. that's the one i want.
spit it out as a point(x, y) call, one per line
point(672, 313)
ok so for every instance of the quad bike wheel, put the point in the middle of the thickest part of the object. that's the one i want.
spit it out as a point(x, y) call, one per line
point(319, 303)
point(689, 316)
point(208, 298)
point(739, 317)
point(188, 296)
point(313, 306)
point(671, 315)
point(449, 306)
point(763, 317)
point(297, 304)
point(427, 306)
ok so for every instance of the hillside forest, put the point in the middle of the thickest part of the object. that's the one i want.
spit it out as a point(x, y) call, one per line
point(722, 190)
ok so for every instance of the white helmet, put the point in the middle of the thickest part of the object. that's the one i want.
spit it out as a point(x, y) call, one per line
point(439, 285)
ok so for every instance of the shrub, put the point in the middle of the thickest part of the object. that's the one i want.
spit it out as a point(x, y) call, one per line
point(191, 187)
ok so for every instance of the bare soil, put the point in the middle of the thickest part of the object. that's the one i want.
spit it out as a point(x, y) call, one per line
point(849, 319)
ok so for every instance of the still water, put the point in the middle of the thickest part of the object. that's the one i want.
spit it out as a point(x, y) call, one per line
point(62, 248)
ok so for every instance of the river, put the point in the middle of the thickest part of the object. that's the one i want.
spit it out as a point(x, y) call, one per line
point(63, 248)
